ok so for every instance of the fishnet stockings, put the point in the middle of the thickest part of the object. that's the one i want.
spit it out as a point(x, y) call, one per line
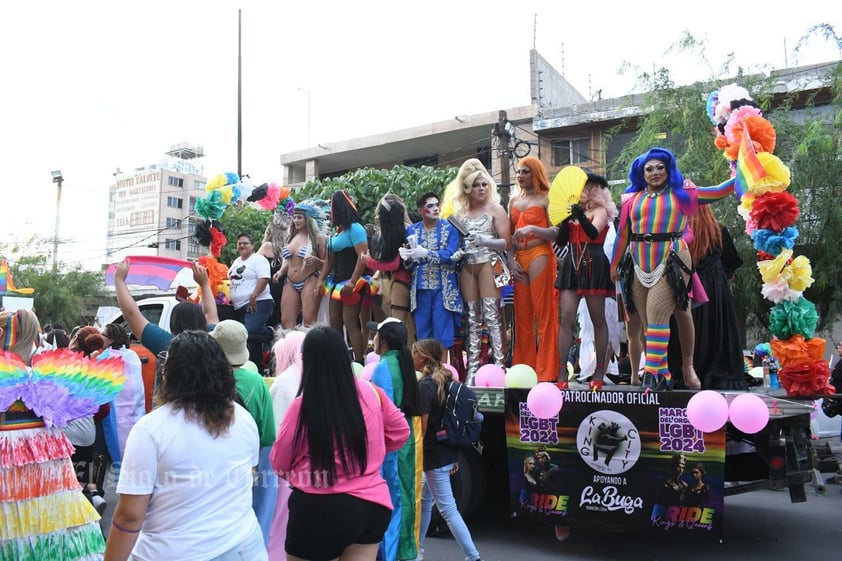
point(655, 306)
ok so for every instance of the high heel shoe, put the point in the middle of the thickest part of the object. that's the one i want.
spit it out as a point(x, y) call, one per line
point(691, 380)
point(565, 385)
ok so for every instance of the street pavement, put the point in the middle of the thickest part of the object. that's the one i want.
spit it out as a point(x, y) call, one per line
point(759, 526)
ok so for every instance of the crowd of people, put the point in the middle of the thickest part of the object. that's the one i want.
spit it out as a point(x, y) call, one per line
point(248, 460)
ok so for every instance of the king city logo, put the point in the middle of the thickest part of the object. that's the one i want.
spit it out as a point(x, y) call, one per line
point(608, 442)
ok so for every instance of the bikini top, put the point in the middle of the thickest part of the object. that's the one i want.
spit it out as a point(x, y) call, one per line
point(532, 216)
point(302, 252)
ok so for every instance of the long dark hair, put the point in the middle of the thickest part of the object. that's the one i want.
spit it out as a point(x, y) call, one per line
point(343, 212)
point(330, 406)
point(198, 379)
point(186, 316)
point(394, 335)
point(391, 231)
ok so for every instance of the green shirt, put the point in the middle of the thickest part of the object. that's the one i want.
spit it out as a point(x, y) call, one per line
point(254, 392)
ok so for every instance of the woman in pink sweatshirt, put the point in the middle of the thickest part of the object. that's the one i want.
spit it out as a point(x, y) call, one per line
point(330, 448)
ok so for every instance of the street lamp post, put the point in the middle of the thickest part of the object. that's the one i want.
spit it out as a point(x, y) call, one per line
point(57, 179)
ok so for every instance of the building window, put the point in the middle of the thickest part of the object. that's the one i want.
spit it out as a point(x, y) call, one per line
point(193, 249)
point(570, 151)
point(173, 244)
point(192, 205)
point(175, 181)
point(174, 202)
point(173, 223)
point(199, 184)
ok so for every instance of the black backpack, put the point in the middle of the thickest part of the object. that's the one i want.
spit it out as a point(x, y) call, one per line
point(461, 418)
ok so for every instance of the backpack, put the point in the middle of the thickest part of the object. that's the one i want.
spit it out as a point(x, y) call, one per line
point(461, 420)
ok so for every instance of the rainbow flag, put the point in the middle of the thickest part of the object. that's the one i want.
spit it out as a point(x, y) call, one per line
point(149, 270)
point(749, 168)
point(7, 286)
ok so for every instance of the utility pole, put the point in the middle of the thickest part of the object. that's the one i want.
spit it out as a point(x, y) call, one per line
point(502, 130)
point(239, 93)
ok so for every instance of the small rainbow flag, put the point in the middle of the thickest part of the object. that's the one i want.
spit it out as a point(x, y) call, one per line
point(749, 168)
point(7, 286)
point(149, 270)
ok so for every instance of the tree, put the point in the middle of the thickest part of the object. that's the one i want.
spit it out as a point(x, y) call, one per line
point(809, 145)
point(369, 185)
point(68, 298)
point(236, 220)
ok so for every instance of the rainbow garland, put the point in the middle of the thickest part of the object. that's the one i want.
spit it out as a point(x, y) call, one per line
point(747, 140)
point(61, 386)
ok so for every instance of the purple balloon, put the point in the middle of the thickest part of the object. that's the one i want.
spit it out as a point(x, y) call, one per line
point(707, 411)
point(748, 413)
point(372, 357)
point(544, 400)
point(490, 376)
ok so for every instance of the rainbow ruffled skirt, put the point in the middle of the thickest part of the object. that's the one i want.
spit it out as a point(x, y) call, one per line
point(43, 514)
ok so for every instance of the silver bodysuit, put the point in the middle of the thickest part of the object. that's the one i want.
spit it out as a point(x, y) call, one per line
point(481, 227)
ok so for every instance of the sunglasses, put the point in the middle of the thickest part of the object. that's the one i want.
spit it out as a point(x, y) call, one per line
point(650, 169)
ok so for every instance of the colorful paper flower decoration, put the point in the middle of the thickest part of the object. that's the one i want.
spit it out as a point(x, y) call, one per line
point(793, 318)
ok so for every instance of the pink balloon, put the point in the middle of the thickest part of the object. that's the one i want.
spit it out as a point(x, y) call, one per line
point(748, 413)
point(707, 411)
point(544, 400)
point(490, 376)
point(452, 370)
point(372, 357)
point(368, 369)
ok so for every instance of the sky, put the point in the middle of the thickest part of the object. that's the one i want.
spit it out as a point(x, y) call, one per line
point(92, 86)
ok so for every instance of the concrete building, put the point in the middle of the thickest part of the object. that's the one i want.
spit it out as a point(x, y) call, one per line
point(560, 127)
point(149, 208)
point(443, 143)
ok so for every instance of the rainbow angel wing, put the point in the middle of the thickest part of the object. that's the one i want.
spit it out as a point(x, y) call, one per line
point(13, 376)
point(64, 385)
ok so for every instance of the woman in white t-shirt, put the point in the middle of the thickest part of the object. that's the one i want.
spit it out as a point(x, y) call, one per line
point(250, 295)
point(186, 482)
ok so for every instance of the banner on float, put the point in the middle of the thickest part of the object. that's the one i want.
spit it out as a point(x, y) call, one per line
point(621, 460)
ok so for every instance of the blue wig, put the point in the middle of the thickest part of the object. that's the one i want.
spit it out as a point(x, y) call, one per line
point(674, 177)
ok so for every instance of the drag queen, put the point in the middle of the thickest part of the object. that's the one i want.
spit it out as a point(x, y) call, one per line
point(651, 258)
point(476, 203)
point(534, 272)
